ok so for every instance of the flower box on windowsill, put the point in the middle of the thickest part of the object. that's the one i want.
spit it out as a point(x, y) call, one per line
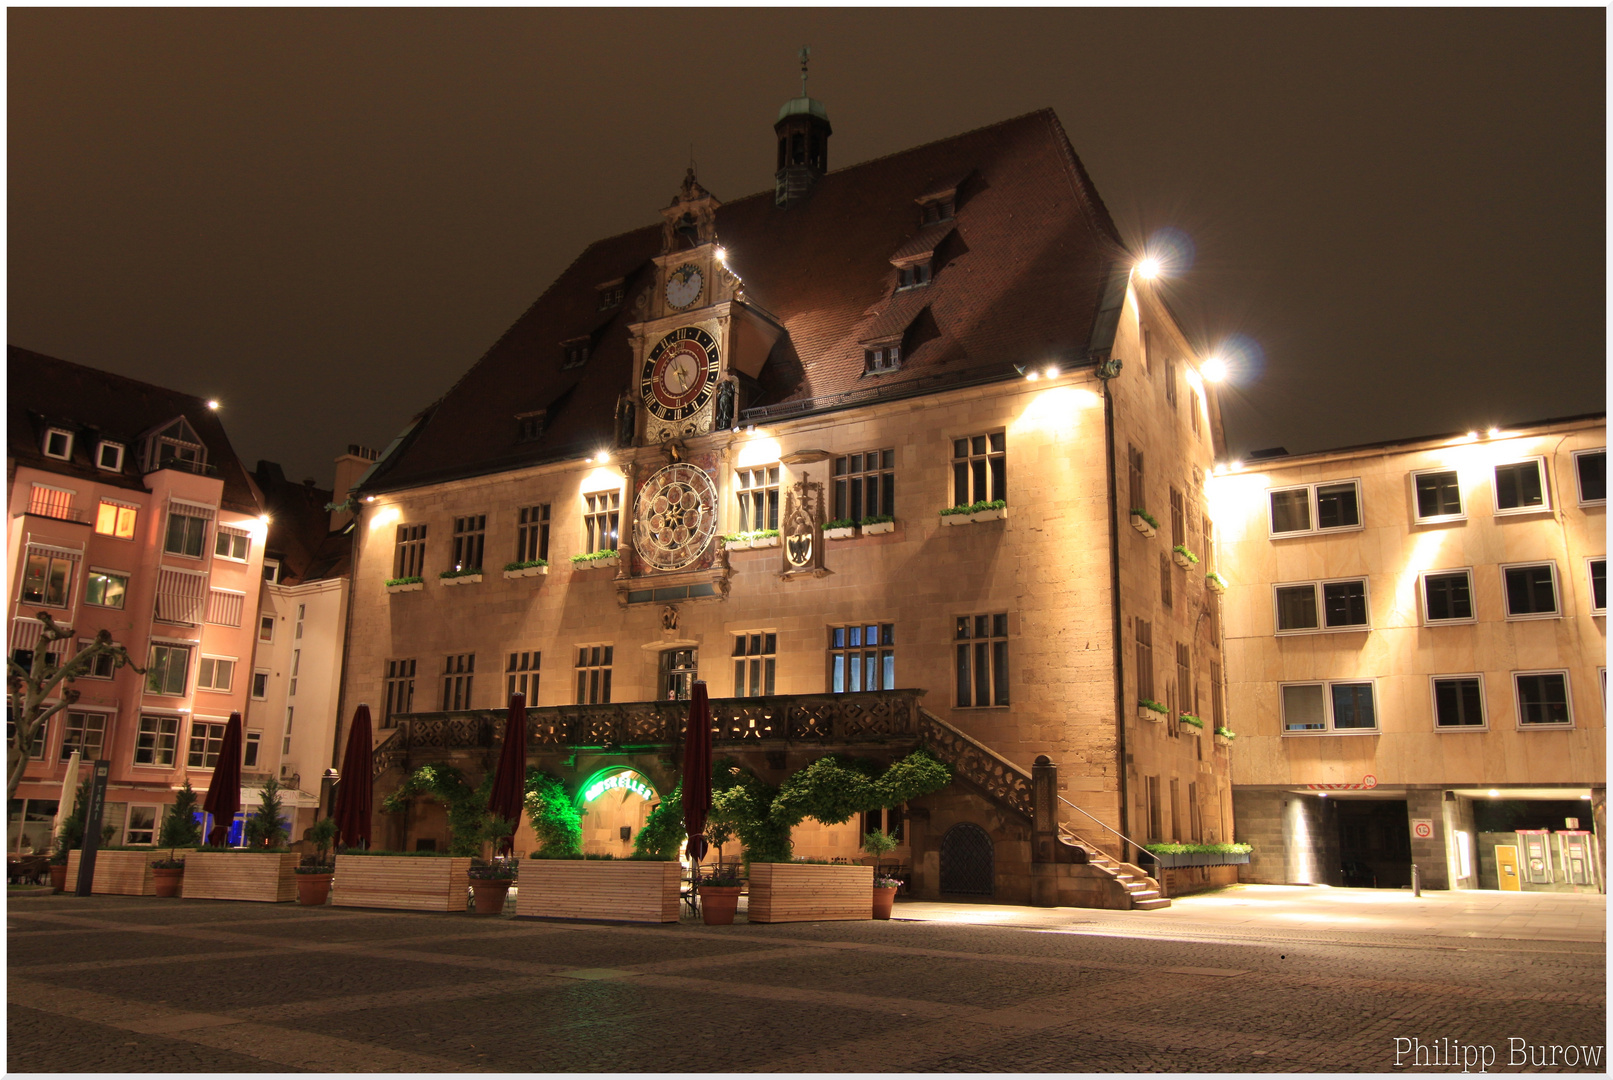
point(1222, 740)
point(406, 586)
point(1190, 725)
point(1151, 715)
point(461, 579)
point(736, 544)
point(989, 513)
point(1141, 524)
point(590, 564)
point(526, 571)
point(957, 515)
point(1215, 582)
point(845, 533)
point(1183, 557)
point(764, 542)
point(876, 527)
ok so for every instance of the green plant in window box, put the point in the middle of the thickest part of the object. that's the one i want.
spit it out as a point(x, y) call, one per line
point(594, 556)
point(1226, 733)
point(1146, 516)
point(840, 529)
point(1152, 705)
point(1153, 711)
point(468, 571)
point(1199, 849)
point(878, 519)
point(415, 580)
point(1215, 582)
point(529, 564)
point(1144, 522)
point(1184, 558)
point(1191, 721)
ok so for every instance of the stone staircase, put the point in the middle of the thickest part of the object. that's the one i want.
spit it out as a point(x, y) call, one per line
point(1140, 891)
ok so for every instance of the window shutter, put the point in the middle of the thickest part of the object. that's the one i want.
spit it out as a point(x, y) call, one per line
point(224, 607)
point(191, 509)
point(180, 595)
point(25, 633)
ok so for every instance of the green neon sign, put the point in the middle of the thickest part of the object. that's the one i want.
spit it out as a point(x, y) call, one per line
point(621, 781)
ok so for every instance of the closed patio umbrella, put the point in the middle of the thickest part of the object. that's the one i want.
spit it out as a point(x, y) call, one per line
point(69, 799)
point(509, 782)
point(224, 793)
point(697, 771)
point(353, 794)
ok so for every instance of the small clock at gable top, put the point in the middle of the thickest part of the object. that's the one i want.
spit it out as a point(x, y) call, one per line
point(680, 374)
point(683, 285)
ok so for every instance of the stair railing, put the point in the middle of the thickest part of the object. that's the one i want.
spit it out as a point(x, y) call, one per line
point(1125, 840)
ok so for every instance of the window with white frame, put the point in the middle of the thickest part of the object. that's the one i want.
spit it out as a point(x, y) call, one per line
point(156, 740)
point(232, 543)
point(1543, 699)
point(1315, 508)
point(593, 674)
point(1448, 596)
point(109, 456)
point(1590, 467)
point(250, 749)
point(602, 513)
point(215, 673)
point(101, 665)
point(521, 675)
point(59, 444)
point(105, 588)
point(1438, 495)
point(168, 669)
point(1520, 487)
point(187, 533)
point(47, 576)
point(1597, 571)
point(980, 660)
point(1318, 606)
point(285, 743)
point(757, 490)
point(979, 469)
point(271, 571)
point(877, 361)
point(142, 827)
point(1326, 707)
point(862, 657)
point(116, 519)
point(260, 684)
point(206, 740)
point(266, 628)
point(755, 657)
point(296, 665)
point(36, 752)
point(1458, 702)
point(1531, 590)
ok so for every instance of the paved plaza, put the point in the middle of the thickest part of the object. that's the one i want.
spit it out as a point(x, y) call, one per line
point(1253, 978)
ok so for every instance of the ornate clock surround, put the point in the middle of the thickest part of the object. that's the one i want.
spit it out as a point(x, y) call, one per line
point(675, 512)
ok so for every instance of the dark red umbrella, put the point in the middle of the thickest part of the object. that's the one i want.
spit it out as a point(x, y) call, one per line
point(697, 771)
point(353, 789)
point(224, 793)
point(509, 782)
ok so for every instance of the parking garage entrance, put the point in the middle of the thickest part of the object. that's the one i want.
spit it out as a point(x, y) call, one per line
point(1374, 843)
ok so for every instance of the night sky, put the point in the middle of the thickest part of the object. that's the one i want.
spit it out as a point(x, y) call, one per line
point(323, 218)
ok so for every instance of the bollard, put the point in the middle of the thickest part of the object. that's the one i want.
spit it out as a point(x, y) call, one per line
point(1416, 881)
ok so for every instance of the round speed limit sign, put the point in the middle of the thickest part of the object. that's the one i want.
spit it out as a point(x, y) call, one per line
point(1422, 830)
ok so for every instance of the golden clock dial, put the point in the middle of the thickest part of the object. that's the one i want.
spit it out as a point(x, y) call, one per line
point(680, 374)
point(676, 516)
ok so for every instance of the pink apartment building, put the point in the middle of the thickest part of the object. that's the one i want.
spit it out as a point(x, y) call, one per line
point(129, 512)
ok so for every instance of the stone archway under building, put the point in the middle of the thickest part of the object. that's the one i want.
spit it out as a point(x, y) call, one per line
point(615, 802)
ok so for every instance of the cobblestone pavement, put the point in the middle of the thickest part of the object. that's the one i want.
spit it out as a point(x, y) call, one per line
point(135, 984)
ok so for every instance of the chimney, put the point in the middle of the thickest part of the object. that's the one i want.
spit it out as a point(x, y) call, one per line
point(349, 467)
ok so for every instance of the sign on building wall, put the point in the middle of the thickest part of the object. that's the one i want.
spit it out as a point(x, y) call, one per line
point(1422, 828)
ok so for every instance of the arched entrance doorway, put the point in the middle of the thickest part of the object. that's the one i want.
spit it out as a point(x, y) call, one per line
point(967, 865)
point(614, 804)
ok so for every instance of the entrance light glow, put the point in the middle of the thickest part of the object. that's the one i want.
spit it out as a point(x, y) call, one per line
point(619, 782)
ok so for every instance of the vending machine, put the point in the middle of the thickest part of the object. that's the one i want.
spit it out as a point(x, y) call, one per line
point(1534, 848)
point(1577, 850)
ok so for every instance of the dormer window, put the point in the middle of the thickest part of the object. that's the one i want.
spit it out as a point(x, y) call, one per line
point(611, 294)
point(881, 360)
point(913, 275)
point(932, 212)
point(529, 426)
point(109, 456)
point(575, 352)
point(59, 444)
point(176, 446)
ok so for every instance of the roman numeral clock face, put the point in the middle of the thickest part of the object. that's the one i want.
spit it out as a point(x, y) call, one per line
point(680, 375)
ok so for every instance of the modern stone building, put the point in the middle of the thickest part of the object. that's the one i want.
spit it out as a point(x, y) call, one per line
point(1416, 643)
point(820, 372)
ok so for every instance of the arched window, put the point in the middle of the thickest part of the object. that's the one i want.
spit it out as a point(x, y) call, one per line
point(797, 149)
point(967, 864)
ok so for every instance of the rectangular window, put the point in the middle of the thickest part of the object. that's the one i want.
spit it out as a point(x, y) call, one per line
point(100, 667)
point(979, 469)
point(59, 444)
point(206, 740)
point(260, 685)
point(1448, 596)
point(1145, 660)
point(109, 456)
point(1170, 388)
point(47, 577)
point(1208, 554)
point(1341, 605)
point(1590, 466)
point(187, 535)
point(105, 588)
point(755, 657)
point(169, 669)
point(181, 595)
point(521, 676)
point(232, 543)
point(285, 743)
point(1134, 478)
point(399, 691)
point(271, 571)
point(532, 534)
point(601, 517)
point(296, 663)
point(593, 674)
point(1439, 495)
point(86, 733)
point(1321, 707)
point(1520, 487)
point(215, 673)
point(1194, 822)
point(1178, 519)
point(1531, 590)
point(1193, 402)
point(862, 657)
point(470, 534)
point(1315, 508)
point(1165, 596)
point(1597, 569)
point(1184, 676)
point(1542, 698)
point(409, 555)
point(1458, 702)
point(142, 825)
point(865, 485)
point(1217, 711)
point(115, 519)
point(155, 742)
point(1156, 812)
point(249, 750)
point(266, 628)
point(758, 497)
point(459, 670)
point(981, 652)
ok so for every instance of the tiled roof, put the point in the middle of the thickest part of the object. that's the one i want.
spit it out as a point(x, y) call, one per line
point(43, 391)
point(1020, 278)
point(924, 241)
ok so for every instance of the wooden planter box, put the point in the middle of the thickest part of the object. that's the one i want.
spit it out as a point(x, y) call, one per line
point(810, 892)
point(621, 890)
point(121, 873)
point(227, 875)
point(462, 579)
point(403, 882)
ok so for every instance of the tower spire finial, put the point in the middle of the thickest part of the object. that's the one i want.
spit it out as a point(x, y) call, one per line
point(805, 54)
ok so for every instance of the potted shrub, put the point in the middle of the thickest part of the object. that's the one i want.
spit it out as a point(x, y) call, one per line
point(839, 529)
point(316, 871)
point(1184, 558)
point(1151, 711)
point(179, 829)
point(878, 844)
point(957, 515)
point(1215, 582)
point(470, 575)
point(1144, 522)
point(880, 523)
point(1191, 723)
point(405, 584)
point(989, 511)
point(593, 559)
point(529, 568)
point(490, 884)
point(719, 896)
point(58, 870)
point(1224, 736)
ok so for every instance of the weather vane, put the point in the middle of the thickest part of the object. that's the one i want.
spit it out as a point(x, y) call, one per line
point(805, 54)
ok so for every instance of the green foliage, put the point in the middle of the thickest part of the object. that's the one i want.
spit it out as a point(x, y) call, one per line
point(919, 773)
point(878, 843)
point(877, 519)
point(323, 834)
point(1152, 705)
point(179, 825)
point(826, 790)
point(555, 818)
point(723, 877)
point(416, 580)
point(1199, 849)
point(663, 830)
point(527, 565)
point(1226, 732)
point(468, 819)
point(264, 829)
point(466, 572)
point(746, 803)
point(594, 556)
point(1146, 516)
point(839, 523)
point(994, 504)
point(1191, 720)
point(1181, 549)
point(70, 834)
point(1214, 577)
point(961, 508)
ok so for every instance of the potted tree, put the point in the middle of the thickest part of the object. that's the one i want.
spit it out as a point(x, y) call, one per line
point(878, 844)
point(490, 880)
point(719, 895)
point(316, 871)
point(179, 829)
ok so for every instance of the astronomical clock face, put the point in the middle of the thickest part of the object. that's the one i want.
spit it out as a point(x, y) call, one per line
point(680, 376)
point(676, 516)
point(683, 287)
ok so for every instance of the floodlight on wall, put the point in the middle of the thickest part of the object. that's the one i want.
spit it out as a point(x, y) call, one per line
point(1148, 268)
point(213, 404)
point(1214, 369)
